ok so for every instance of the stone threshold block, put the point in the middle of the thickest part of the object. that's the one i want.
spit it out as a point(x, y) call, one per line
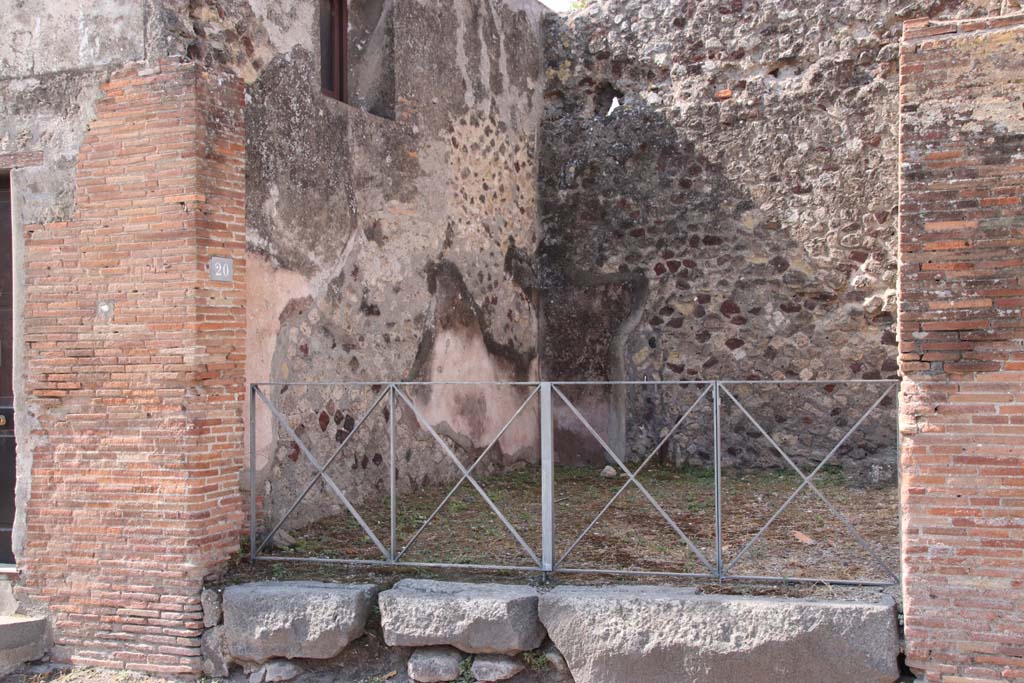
point(669, 635)
point(22, 639)
point(293, 620)
point(474, 618)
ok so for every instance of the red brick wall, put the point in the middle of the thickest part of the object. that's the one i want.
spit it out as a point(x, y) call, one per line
point(962, 347)
point(137, 438)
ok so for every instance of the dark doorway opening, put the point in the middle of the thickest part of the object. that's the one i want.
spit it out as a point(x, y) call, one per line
point(7, 448)
point(334, 50)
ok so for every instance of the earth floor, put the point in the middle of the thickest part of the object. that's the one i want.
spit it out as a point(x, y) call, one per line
point(47, 674)
point(807, 540)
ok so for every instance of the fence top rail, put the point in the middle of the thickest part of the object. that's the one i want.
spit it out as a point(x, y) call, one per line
point(383, 383)
point(534, 383)
point(809, 381)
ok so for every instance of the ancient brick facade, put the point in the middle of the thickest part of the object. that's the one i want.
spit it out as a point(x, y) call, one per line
point(961, 335)
point(734, 218)
point(135, 372)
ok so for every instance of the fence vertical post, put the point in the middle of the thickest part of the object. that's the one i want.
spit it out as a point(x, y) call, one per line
point(547, 478)
point(716, 395)
point(252, 473)
point(391, 470)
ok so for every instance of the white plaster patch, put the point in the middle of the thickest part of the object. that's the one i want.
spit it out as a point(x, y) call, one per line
point(288, 24)
point(458, 356)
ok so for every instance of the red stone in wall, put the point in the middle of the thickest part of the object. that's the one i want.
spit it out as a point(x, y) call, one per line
point(962, 347)
point(134, 364)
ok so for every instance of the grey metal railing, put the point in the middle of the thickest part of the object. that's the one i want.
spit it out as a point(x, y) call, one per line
point(391, 396)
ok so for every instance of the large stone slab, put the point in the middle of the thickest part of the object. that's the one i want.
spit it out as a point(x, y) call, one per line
point(475, 618)
point(22, 639)
point(666, 635)
point(294, 620)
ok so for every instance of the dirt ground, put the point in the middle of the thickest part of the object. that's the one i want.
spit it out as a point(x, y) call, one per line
point(46, 674)
point(806, 541)
point(366, 660)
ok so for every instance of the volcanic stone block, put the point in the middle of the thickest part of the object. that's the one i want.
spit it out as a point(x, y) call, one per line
point(476, 618)
point(666, 635)
point(22, 639)
point(216, 662)
point(294, 620)
point(212, 602)
point(489, 668)
point(434, 664)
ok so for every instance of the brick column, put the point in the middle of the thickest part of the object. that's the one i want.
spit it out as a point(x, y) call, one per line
point(962, 347)
point(134, 363)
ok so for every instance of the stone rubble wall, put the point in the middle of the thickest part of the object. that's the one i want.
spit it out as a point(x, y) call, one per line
point(390, 248)
point(441, 631)
point(735, 216)
point(385, 242)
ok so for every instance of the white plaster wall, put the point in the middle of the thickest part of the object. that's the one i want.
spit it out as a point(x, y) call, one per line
point(40, 37)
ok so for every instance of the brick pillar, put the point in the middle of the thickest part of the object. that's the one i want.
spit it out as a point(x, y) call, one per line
point(962, 347)
point(134, 363)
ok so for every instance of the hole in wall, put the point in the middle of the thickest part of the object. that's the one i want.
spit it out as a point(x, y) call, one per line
point(605, 96)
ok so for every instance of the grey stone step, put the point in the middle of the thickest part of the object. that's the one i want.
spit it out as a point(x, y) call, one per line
point(477, 618)
point(294, 620)
point(8, 605)
point(666, 635)
point(22, 639)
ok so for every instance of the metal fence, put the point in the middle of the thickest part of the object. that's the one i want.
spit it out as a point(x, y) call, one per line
point(549, 400)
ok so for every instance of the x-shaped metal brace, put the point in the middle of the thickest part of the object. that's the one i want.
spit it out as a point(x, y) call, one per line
point(632, 477)
point(321, 471)
point(468, 476)
point(807, 483)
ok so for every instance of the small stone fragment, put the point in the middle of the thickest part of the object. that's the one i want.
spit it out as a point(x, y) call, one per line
point(608, 472)
point(803, 538)
point(211, 601)
point(557, 662)
point(488, 668)
point(434, 664)
point(282, 540)
point(8, 605)
point(279, 671)
point(216, 661)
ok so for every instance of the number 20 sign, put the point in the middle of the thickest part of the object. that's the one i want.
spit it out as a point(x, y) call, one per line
point(222, 269)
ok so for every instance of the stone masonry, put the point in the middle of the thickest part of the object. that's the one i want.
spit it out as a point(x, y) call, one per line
point(734, 218)
point(441, 631)
point(656, 189)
